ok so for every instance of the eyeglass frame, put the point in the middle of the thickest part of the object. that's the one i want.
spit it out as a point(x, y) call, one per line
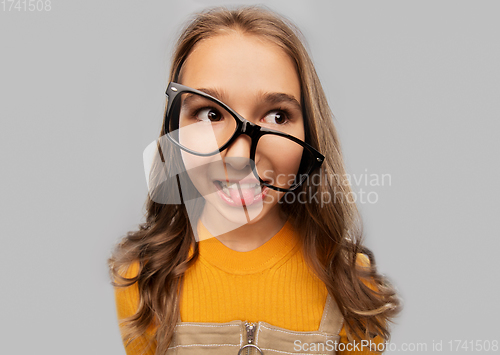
point(243, 126)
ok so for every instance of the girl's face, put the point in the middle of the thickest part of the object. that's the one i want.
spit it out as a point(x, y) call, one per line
point(258, 80)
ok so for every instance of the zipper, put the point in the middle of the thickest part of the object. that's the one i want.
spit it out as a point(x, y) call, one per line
point(250, 329)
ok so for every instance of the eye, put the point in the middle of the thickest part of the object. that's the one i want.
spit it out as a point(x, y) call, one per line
point(277, 117)
point(208, 114)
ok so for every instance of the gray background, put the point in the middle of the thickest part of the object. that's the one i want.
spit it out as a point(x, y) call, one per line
point(415, 90)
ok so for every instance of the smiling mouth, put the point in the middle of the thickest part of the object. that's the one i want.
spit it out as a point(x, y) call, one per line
point(229, 188)
point(238, 194)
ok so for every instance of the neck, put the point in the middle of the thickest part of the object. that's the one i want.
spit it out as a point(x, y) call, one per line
point(248, 236)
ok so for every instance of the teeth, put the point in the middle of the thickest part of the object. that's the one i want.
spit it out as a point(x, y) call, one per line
point(233, 185)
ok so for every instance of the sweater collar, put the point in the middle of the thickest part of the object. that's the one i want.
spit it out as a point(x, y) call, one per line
point(263, 257)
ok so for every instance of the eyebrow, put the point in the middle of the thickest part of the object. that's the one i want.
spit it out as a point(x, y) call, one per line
point(271, 98)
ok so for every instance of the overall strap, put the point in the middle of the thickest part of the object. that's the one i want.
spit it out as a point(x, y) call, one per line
point(332, 319)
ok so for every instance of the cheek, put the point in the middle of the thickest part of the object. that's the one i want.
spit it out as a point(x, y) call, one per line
point(196, 168)
point(190, 161)
point(286, 169)
point(200, 170)
point(279, 160)
point(195, 162)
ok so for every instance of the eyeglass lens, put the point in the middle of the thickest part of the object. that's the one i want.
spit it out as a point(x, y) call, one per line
point(203, 126)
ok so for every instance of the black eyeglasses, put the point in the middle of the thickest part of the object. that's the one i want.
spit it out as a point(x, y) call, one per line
point(203, 125)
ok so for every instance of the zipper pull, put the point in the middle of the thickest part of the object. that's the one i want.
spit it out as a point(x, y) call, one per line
point(250, 328)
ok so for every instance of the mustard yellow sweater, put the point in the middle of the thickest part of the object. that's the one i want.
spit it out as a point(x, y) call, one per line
point(271, 283)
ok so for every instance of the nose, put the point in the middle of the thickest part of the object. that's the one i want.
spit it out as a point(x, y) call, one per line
point(238, 153)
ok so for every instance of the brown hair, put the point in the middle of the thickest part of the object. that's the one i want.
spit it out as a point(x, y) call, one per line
point(331, 235)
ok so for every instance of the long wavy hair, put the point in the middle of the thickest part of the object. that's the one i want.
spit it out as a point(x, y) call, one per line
point(331, 235)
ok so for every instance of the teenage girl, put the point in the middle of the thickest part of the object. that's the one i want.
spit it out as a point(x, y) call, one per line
point(239, 253)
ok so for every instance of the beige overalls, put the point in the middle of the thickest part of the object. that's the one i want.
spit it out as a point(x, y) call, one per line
point(243, 338)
